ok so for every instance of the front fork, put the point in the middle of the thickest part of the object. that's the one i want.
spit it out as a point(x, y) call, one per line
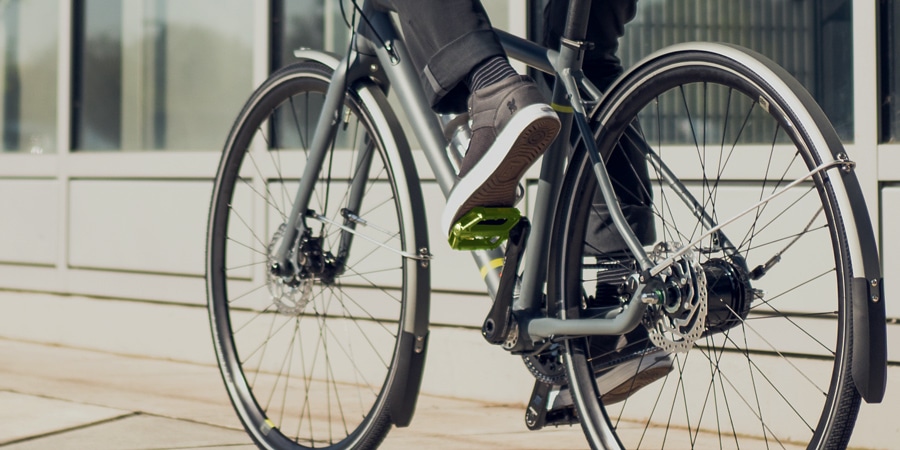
point(345, 74)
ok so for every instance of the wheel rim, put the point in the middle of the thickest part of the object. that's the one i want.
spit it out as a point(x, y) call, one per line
point(306, 356)
point(772, 378)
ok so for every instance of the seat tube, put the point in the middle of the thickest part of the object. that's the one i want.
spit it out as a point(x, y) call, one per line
point(569, 59)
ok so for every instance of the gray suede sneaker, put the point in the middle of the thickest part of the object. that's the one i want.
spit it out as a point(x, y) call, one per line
point(511, 127)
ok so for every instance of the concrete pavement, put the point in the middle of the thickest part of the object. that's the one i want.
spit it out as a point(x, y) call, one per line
point(54, 397)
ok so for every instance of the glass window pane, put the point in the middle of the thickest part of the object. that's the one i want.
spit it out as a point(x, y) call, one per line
point(317, 24)
point(890, 13)
point(159, 74)
point(28, 75)
point(812, 40)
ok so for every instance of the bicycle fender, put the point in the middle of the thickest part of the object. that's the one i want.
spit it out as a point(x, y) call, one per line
point(869, 364)
point(405, 388)
point(869, 345)
point(307, 54)
point(869, 340)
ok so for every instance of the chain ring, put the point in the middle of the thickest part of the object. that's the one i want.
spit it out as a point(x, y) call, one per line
point(546, 368)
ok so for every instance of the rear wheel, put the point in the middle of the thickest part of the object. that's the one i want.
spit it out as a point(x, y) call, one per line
point(755, 318)
point(316, 355)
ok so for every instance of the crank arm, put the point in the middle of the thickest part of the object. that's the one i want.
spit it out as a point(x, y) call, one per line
point(499, 321)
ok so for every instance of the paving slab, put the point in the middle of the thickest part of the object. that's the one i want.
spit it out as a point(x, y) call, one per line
point(23, 416)
point(159, 404)
point(141, 432)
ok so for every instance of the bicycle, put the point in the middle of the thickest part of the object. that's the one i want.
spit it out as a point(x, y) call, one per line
point(318, 278)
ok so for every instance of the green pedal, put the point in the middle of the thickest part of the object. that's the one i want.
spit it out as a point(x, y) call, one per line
point(483, 228)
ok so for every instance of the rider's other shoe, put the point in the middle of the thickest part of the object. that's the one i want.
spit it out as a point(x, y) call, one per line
point(511, 127)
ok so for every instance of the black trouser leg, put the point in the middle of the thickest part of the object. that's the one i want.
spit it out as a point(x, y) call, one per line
point(446, 39)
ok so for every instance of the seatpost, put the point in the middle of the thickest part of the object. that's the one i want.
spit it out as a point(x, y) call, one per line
point(577, 20)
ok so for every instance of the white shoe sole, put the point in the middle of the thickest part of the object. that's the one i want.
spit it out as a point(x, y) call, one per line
point(494, 179)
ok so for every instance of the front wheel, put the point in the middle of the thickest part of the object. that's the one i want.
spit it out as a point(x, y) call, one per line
point(326, 351)
point(748, 335)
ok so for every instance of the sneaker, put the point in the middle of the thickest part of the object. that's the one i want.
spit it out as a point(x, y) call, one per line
point(511, 127)
point(623, 380)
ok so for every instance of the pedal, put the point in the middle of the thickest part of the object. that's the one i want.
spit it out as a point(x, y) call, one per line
point(483, 228)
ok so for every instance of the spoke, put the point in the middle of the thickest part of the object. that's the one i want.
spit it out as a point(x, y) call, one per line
point(362, 332)
point(244, 266)
point(234, 299)
point(769, 381)
point(272, 332)
point(737, 391)
point(266, 197)
point(768, 301)
point(243, 221)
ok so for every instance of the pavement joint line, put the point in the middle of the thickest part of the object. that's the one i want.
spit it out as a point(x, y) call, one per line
point(105, 352)
point(101, 405)
point(70, 429)
point(480, 403)
point(61, 399)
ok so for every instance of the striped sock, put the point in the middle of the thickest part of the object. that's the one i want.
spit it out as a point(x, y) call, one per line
point(489, 72)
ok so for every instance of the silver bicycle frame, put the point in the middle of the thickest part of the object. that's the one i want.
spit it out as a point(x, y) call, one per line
point(378, 36)
point(379, 51)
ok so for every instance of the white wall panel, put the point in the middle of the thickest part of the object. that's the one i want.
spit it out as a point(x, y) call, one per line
point(890, 248)
point(138, 225)
point(30, 217)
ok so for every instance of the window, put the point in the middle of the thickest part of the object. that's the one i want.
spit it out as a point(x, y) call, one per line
point(316, 24)
point(809, 38)
point(890, 65)
point(159, 74)
point(28, 75)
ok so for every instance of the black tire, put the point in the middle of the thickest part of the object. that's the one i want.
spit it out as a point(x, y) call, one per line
point(318, 358)
point(771, 364)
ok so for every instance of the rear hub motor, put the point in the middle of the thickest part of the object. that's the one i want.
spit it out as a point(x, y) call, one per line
point(729, 295)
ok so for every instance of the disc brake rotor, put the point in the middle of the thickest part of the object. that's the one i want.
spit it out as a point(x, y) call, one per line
point(290, 295)
point(678, 317)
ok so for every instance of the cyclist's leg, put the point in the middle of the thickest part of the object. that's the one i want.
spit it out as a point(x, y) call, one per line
point(460, 60)
point(447, 39)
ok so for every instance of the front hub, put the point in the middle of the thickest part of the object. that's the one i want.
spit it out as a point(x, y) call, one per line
point(291, 286)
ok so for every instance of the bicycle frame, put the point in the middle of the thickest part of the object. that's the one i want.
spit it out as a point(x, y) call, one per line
point(380, 53)
point(378, 36)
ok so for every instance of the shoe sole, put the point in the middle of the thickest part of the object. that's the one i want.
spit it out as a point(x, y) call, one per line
point(494, 179)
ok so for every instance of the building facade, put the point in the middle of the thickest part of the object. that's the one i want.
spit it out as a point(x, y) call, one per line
point(114, 114)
